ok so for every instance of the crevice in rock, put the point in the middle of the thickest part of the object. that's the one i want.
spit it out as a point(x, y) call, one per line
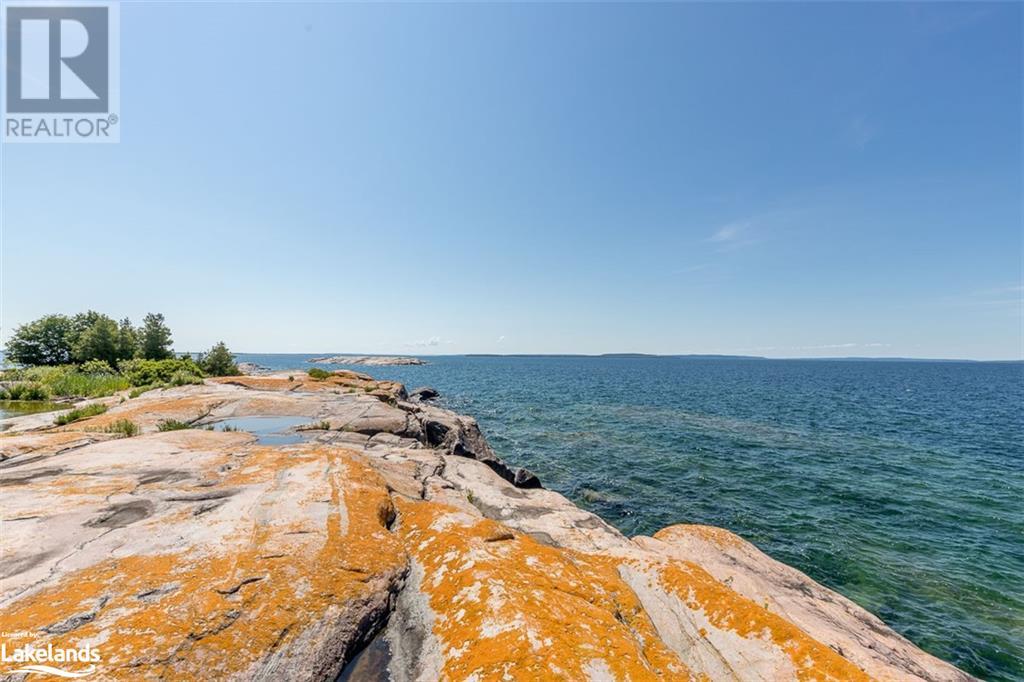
point(366, 658)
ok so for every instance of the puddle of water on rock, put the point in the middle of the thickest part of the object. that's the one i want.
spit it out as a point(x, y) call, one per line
point(370, 664)
point(16, 408)
point(268, 430)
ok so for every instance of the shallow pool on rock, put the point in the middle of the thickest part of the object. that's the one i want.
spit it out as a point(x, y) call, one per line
point(269, 430)
point(17, 408)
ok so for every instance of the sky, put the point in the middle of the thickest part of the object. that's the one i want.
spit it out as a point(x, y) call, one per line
point(786, 180)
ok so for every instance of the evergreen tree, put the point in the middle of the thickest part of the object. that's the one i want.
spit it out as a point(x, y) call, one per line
point(219, 362)
point(155, 338)
point(127, 340)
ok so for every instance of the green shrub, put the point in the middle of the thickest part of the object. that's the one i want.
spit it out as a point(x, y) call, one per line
point(96, 367)
point(317, 374)
point(12, 374)
point(172, 425)
point(148, 372)
point(182, 378)
point(125, 427)
point(29, 390)
point(74, 415)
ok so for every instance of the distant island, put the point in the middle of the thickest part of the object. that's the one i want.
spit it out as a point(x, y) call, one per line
point(369, 360)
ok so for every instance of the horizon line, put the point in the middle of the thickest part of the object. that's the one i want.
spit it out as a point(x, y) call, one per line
point(709, 356)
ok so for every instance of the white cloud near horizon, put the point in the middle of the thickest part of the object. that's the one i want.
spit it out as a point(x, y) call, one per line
point(823, 346)
point(429, 342)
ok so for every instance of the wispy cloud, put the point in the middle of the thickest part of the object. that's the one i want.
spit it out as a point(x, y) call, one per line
point(430, 342)
point(691, 268)
point(859, 132)
point(729, 233)
point(822, 346)
point(1007, 298)
point(734, 235)
point(1007, 290)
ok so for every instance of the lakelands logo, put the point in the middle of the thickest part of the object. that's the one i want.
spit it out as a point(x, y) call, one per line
point(30, 659)
point(62, 66)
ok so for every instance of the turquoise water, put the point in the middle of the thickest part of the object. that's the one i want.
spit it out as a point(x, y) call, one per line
point(899, 484)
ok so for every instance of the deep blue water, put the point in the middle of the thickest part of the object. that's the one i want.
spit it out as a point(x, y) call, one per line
point(899, 484)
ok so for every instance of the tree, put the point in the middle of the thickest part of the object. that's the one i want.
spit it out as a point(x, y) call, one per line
point(155, 338)
point(97, 342)
point(46, 341)
point(81, 323)
point(127, 340)
point(219, 362)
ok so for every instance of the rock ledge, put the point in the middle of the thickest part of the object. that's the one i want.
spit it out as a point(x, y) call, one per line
point(205, 554)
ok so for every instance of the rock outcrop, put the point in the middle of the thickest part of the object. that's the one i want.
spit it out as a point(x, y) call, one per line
point(198, 554)
point(423, 393)
point(253, 369)
point(368, 360)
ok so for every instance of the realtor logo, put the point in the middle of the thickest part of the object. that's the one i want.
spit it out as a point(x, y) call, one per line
point(62, 81)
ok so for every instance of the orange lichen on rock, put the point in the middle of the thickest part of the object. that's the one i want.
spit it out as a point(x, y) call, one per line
point(341, 381)
point(150, 410)
point(719, 537)
point(195, 554)
point(509, 608)
point(214, 611)
point(45, 442)
point(729, 611)
point(261, 383)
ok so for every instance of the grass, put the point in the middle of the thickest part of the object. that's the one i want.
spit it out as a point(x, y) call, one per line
point(172, 425)
point(125, 427)
point(29, 390)
point(139, 390)
point(80, 413)
point(317, 374)
point(68, 381)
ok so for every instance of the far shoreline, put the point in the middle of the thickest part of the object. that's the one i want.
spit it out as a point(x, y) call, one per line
point(626, 356)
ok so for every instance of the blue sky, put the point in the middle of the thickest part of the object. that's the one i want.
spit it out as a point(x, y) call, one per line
point(772, 179)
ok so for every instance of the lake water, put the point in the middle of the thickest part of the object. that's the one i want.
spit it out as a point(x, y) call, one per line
point(899, 484)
